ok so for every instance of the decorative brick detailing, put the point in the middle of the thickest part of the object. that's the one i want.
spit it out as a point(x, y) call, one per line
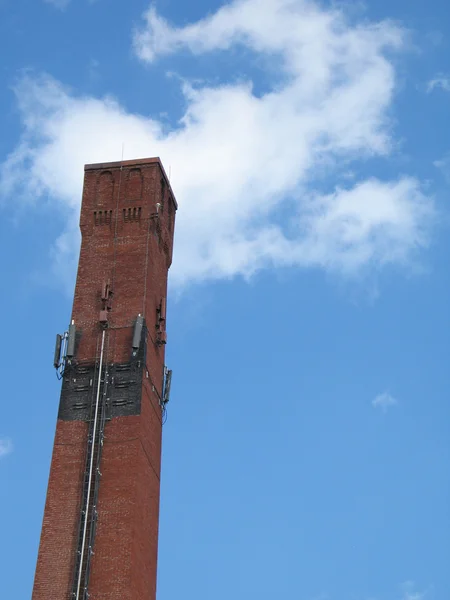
point(132, 214)
point(103, 217)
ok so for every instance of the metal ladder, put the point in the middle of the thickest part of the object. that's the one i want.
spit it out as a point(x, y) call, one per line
point(91, 483)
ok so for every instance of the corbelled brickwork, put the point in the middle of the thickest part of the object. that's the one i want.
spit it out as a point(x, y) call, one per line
point(127, 225)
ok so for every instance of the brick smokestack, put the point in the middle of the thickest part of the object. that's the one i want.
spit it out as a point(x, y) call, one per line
point(100, 529)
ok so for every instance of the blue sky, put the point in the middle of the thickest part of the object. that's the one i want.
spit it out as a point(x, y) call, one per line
point(306, 452)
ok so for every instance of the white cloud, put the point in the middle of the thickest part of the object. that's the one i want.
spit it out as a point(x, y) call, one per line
point(298, 30)
point(239, 161)
point(384, 401)
point(5, 447)
point(440, 81)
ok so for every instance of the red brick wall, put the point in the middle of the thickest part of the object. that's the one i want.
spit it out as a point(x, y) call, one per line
point(123, 241)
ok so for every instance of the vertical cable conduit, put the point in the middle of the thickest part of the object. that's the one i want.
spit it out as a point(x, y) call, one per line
point(81, 560)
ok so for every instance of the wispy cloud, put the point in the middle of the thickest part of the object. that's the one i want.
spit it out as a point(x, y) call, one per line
point(409, 591)
point(413, 596)
point(439, 82)
point(239, 160)
point(6, 447)
point(384, 401)
point(443, 165)
point(93, 69)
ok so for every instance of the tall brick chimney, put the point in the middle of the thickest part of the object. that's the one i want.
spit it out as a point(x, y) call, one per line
point(100, 529)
